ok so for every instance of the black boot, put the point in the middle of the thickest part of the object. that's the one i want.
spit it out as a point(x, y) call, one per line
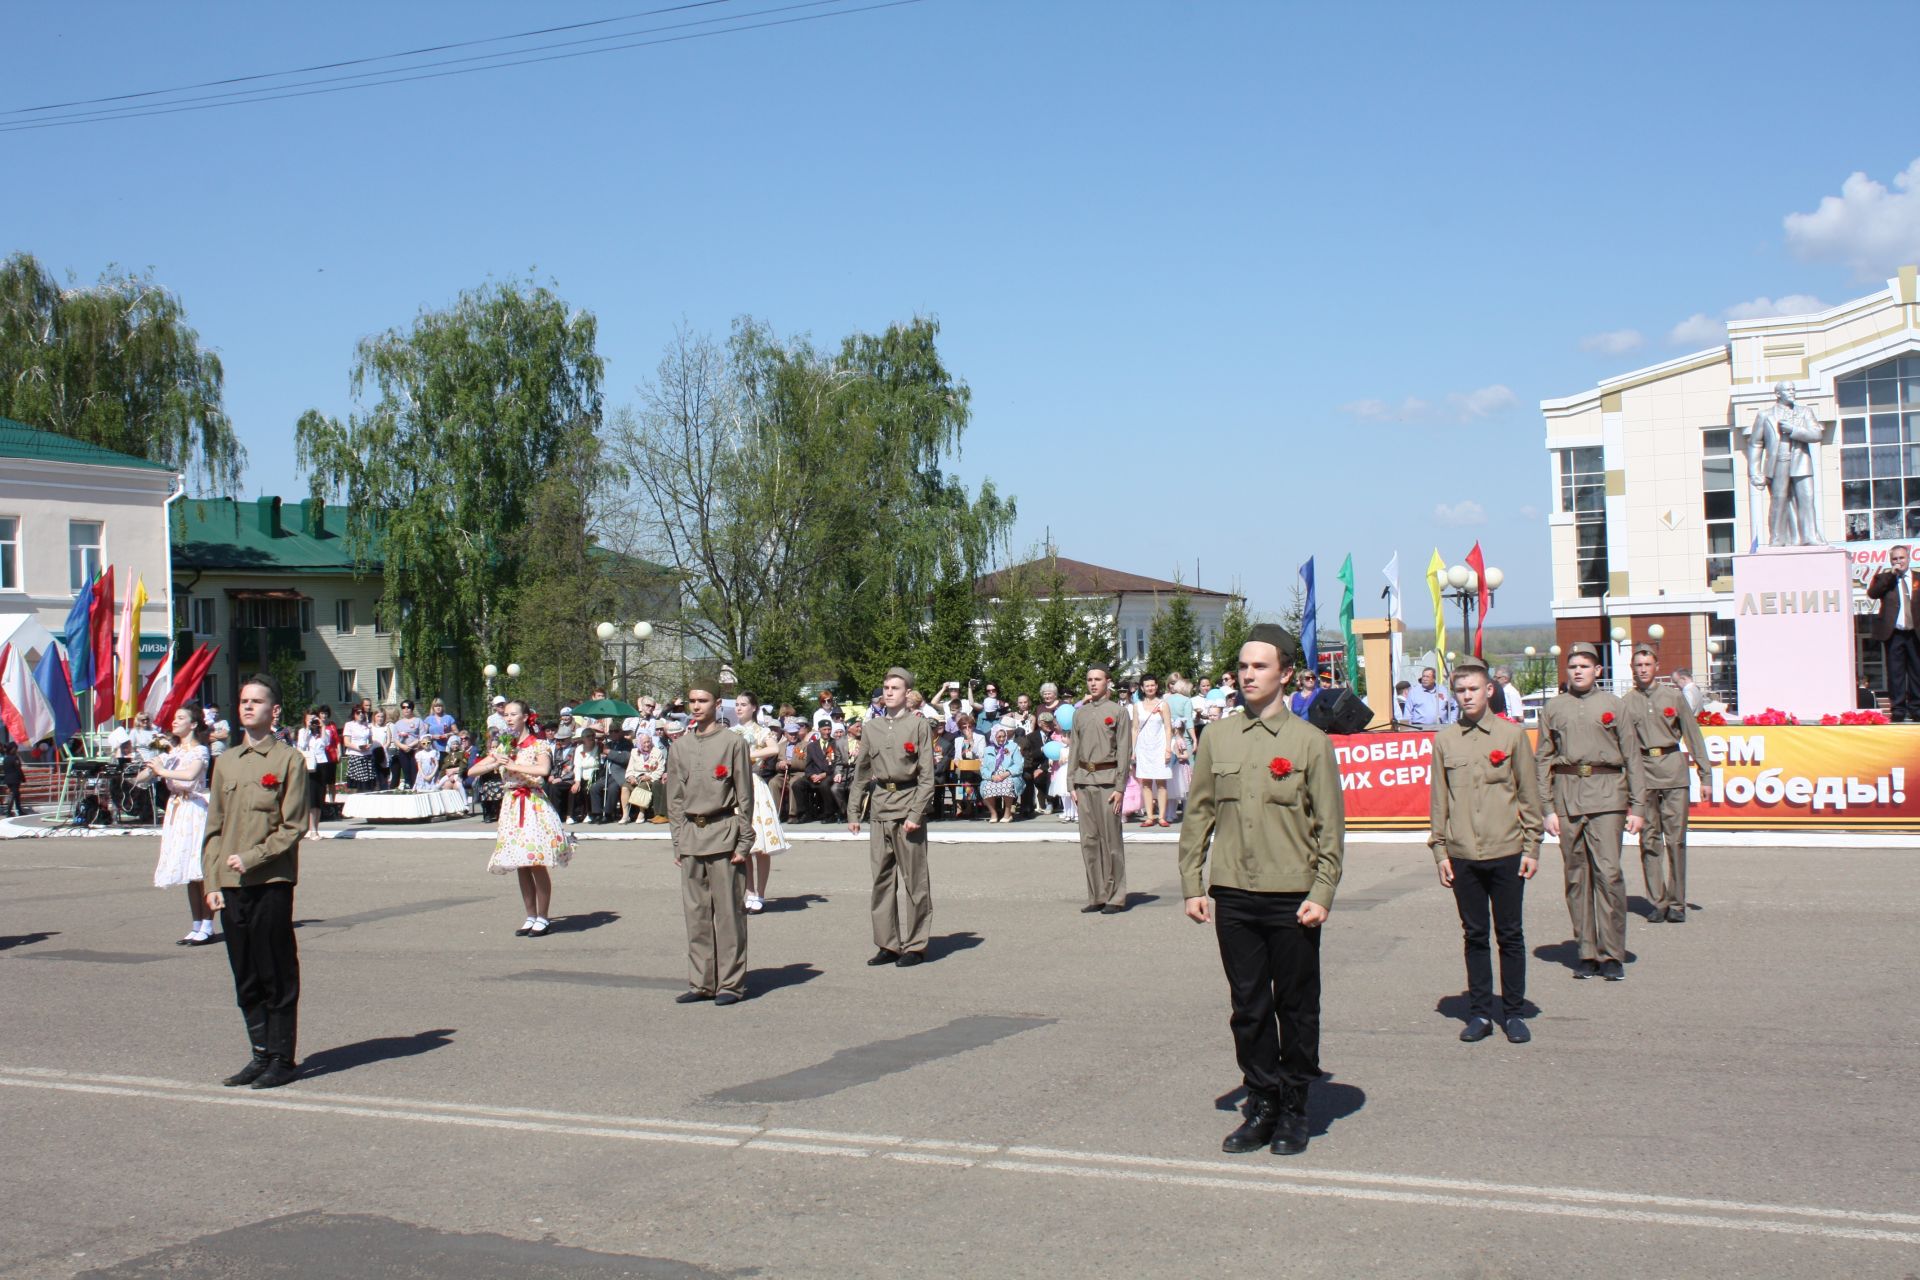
point(279, 1071)
point(257, 1037)
point(1262, 1114)
point(1290, 1135)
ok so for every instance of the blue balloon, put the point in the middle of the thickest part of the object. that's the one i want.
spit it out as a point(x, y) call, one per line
point(1053, 751)
point(1063, 715)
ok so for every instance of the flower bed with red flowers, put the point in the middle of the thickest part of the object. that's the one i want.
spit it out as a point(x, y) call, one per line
point(1711, 720)
point(1856, 717)
point(1769, 716)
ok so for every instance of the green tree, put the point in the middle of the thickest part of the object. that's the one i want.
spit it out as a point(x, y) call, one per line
point(478, 408)
point(118, 366)
point(1234, 625)
point(780, 481)
point(1011, 641)
point(948, 647)
point(1173, 639)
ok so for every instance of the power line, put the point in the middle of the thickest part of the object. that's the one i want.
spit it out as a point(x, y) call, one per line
point(392, 75)
point(135, 113)
point(356, 62)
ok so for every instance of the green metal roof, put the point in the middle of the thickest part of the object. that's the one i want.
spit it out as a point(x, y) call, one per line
point(264, 536)
point(18, 440)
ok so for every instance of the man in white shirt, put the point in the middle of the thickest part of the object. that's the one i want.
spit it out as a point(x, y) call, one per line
point(1689, 690)
point(218, 730)
point(1511, 703)
point(497, 717)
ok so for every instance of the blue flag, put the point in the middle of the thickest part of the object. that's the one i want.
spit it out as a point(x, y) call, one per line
point(1310, 621)
point(79, 639)
point(51, 676)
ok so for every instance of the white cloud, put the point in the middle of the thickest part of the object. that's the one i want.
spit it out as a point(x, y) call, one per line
point(1529, 512)
point(1869, 228)
point(1464, 512)
point(1614, 343)
point(1456, 406)
point(1703, 330)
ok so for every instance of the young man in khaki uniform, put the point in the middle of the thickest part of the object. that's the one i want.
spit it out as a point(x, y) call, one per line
point(1662, 721)
point(1589, 767)
point(710, 809)
point(1265, 807)
point(1099, 753)
point(256, 812)
point(893, 779)
point(1485, 833)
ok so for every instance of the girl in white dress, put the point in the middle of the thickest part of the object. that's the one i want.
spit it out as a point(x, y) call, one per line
point(768, 839)
point(1152, 752)
point(530, 839)
point(184, 770)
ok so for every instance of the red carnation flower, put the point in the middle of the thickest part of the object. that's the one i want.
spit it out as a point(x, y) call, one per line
point(1606, 717)
point(1497, 757)
point(720, 771)
point(1669, 713)
point(911, 749)
point(1109, 721)
point(1280, 766)
point(269, 780)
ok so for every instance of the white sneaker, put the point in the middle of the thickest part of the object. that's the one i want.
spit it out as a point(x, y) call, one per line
point(755, 902)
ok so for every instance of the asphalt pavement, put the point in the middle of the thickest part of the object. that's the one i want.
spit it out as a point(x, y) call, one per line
point(1045, 1098)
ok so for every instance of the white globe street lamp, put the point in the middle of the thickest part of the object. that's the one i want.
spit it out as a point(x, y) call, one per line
point(1530, 651)
point(643, 631)
point(1619, 634)
point(1495, 577)
point(1656, 633)
point(605, 630)
point(513, 671)
point(489, 671)
point(1457, 577)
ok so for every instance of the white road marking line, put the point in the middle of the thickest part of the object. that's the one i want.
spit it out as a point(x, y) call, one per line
point(1420, 1182)
point(1339, 1184)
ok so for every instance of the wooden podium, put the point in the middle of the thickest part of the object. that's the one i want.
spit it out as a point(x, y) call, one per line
point(1376, 653)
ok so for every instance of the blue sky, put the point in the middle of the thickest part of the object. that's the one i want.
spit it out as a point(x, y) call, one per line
point(1233, 284)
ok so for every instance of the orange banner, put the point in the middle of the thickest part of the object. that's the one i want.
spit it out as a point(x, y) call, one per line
point(1795, 777)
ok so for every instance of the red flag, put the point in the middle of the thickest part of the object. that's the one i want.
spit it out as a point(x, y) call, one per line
point(186, 683)
point(101, 624)
point(1478, 563)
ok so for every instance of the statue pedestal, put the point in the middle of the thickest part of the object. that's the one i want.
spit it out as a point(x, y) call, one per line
point(1793, 631)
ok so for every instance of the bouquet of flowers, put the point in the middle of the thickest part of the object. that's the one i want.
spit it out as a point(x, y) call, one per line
point(503, 745)
point(1711, 720)
point(1856, 717)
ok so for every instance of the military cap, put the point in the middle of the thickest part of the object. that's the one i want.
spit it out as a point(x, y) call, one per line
point(905, 676)
point(1583, 650)
point(1647, 649)
point(1469, 663)
point(1279, 637)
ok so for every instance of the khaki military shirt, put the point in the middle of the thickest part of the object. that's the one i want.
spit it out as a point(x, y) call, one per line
point(261, 821)
point(1663, 721)
point(1265, 801)
point(710, 794)
point(1100, 744)
point(1486, 798)
point(1593, 729)
point(893, 778)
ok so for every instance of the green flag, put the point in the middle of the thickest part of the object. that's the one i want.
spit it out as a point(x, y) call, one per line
point(1346, 626)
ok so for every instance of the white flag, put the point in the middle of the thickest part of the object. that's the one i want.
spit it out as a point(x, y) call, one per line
point(28, 715)
point(1392, 572)
point(159, 688)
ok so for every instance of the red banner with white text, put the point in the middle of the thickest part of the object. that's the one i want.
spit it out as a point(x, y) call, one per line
point(1792, 777)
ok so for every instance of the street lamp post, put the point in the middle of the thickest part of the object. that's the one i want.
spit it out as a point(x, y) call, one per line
point(641, 633)
point(1466, 591)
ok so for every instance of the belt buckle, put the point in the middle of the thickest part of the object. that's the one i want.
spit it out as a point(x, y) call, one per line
point(699, 820)
point(1656, 752)
point(890, 786)
point(1584, 770)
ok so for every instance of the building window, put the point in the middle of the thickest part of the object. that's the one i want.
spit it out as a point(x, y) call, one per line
point(200, 609)
point(85, 552)
point(1716, 479)
point(383, 690)
point(343, 617)
point(1140, 642)
point(306, 616)
point(1583, 495)
point(1880, 450)
point(1721, 665)
point(309, 688)
point(379, 620)
point(210, 690)
point(1123, 644)
point(9, 553)
point(349, 690)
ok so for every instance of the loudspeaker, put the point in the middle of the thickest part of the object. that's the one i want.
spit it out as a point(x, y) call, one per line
point(1338, 711)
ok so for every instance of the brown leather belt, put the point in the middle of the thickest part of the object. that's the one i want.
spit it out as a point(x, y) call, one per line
point(1097, 768)
point(702, 819)
point(891, 786)
point(1655, 753)
point(1585, 770)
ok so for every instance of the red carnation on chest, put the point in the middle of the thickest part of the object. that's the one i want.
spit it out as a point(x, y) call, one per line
point(911, 749)
point(1669, 713)
point(1280, 766)
point(1109, 722)
point(1606, 717)
point(269, 780)
point(720, 771)
point(1497, 757)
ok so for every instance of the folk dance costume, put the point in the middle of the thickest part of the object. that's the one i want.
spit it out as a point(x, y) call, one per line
point(530, 834)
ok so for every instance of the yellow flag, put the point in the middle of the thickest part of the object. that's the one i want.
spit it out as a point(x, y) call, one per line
point(1436, 579)
point(126, 680)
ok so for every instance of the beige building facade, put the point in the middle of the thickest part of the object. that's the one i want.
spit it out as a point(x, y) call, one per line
point(1651, 496)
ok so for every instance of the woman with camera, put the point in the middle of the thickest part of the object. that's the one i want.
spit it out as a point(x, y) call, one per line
point(184, 771)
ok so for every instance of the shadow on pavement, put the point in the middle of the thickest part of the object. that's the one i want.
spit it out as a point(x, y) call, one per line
point(582, 922)
point(1140, 900)
point(947, 943)
point(1329, 1101)
point(346, 1057)
point(1567, 954)
point(1459, 1008)
point(762, 981)
point(25, 939)
point(798, 902)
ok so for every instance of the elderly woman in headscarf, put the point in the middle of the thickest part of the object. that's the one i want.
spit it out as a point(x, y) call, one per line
point(1000, 779)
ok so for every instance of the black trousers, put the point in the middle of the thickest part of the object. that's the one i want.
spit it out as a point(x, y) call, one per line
point(1273, 976)
point(258, 924)
point(1489, 895)
point(1903, 675)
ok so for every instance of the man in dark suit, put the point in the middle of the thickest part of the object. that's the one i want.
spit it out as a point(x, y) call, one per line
point(1894, 588)
point(813, 788)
